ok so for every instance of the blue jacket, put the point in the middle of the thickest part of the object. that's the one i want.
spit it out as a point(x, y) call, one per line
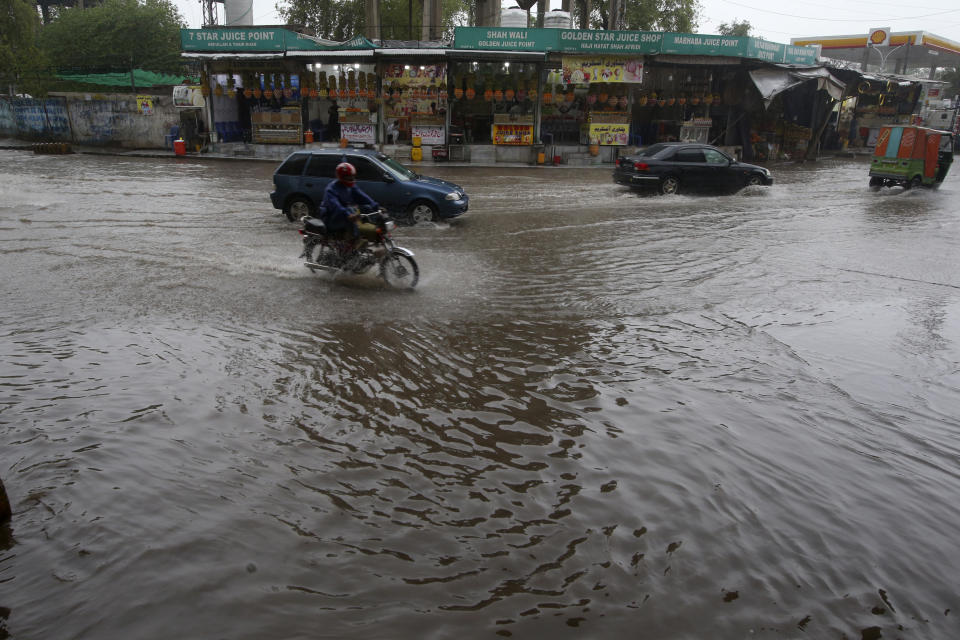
point(338, 203)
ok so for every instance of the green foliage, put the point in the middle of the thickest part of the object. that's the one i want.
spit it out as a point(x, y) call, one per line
point(21, 63)
point(735, 28)
point(343, 19)
point(118, 35)
point(951, 75)
point(643, 15)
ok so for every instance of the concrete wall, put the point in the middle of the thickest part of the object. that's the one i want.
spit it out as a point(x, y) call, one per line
point(86, 119)
point(33, 119)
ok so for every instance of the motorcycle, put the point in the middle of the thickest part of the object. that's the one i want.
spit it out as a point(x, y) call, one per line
point(330, 252)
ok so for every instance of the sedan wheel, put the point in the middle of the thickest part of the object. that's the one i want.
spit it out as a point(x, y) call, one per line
point(754, 180)
point(421, 211)
point(670, 186)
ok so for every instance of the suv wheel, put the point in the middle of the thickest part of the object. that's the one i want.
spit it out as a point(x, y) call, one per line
point(297, 207)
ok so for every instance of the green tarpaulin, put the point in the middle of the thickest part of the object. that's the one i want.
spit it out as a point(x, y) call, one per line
point(142, 79)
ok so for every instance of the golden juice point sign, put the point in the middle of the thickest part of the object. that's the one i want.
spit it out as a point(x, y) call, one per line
point(519, 134)
point(609, 134)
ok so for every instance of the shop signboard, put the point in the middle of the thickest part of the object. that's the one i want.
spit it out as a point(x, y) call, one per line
point(429, 134)
point(583, 41)
point(358, 132)
point(587, 69)
point(793, 54)
point(564, 40)
point(695, 44)
point(765, 50)
point(609, 134)
point(504, 39)
point(253, 39)
point(413, 75)
point(516, 134)
point(261, 40)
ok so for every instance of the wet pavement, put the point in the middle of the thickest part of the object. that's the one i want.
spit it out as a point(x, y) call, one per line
point(599, 415)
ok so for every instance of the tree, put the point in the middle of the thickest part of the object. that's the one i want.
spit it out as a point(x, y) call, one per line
point(20, 59)
point(119, 35)
point(735, 28)
point(951, 75)
point(343, 19)
point(643, 15)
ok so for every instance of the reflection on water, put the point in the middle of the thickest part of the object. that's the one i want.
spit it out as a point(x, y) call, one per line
point(600, 412)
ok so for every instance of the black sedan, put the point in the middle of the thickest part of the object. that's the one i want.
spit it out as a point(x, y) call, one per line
point(672, 167)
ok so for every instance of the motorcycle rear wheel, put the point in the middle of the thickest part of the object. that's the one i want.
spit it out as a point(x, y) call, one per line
point(325, 255)
point(399, 271)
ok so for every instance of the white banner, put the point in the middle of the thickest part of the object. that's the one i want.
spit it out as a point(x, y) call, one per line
point(358, 132)
point(430, 134)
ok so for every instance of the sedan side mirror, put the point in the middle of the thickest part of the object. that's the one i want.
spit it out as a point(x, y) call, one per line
point(388, 178)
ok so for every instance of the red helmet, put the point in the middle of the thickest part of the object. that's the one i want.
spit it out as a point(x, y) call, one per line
point(346, 173)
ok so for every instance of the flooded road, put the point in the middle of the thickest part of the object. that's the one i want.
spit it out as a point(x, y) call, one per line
point(599, 415)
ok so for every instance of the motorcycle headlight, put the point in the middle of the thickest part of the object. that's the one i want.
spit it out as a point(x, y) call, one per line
point(453, 195)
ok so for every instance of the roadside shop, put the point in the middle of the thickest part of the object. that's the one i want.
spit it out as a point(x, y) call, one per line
point(501, 95)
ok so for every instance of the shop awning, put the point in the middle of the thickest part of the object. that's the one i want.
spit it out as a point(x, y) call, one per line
point(232, 56)
point(774, 80)
point(340, 55)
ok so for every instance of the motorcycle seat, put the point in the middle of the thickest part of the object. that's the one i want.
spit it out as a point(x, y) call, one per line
point(314, 225)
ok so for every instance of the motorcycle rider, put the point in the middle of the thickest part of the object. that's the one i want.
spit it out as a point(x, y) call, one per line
point(343, 202)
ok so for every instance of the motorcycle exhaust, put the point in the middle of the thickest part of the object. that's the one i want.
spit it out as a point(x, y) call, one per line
point(313, 266)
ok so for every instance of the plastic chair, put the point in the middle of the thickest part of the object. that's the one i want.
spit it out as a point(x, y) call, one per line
point(170, 137)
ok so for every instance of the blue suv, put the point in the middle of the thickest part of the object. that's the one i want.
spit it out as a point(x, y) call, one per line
point(300, 180)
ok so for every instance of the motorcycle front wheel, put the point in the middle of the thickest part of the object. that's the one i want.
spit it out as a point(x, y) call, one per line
point(399, 271)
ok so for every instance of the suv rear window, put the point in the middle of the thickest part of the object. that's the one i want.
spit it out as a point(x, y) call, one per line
point(324, 166)
point(366, 169)
point(294, 165)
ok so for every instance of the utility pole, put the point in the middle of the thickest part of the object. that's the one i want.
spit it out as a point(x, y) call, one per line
point(372, 12)
point(210, 12)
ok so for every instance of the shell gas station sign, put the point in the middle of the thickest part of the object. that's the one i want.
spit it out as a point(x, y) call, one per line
point(878, 37)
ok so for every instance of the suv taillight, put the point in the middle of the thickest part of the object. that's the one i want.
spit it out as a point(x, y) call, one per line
point(641, 166)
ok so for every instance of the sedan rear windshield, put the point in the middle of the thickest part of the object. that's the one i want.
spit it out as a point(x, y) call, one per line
point(654, 150)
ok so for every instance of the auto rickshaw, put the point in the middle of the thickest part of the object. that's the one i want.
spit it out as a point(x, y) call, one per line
point(910, 157)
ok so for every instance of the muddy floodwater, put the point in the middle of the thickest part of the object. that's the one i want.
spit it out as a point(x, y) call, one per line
point(599, 415)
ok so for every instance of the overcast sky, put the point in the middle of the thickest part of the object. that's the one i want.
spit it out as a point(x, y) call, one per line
point(777, 20)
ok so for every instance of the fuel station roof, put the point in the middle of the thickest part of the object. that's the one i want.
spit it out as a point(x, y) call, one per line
point(905, 50)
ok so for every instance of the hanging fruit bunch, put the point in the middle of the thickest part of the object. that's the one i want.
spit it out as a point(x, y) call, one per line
point(204, 83)
point(322, 87)
point(352, 83)
point(332, 82)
